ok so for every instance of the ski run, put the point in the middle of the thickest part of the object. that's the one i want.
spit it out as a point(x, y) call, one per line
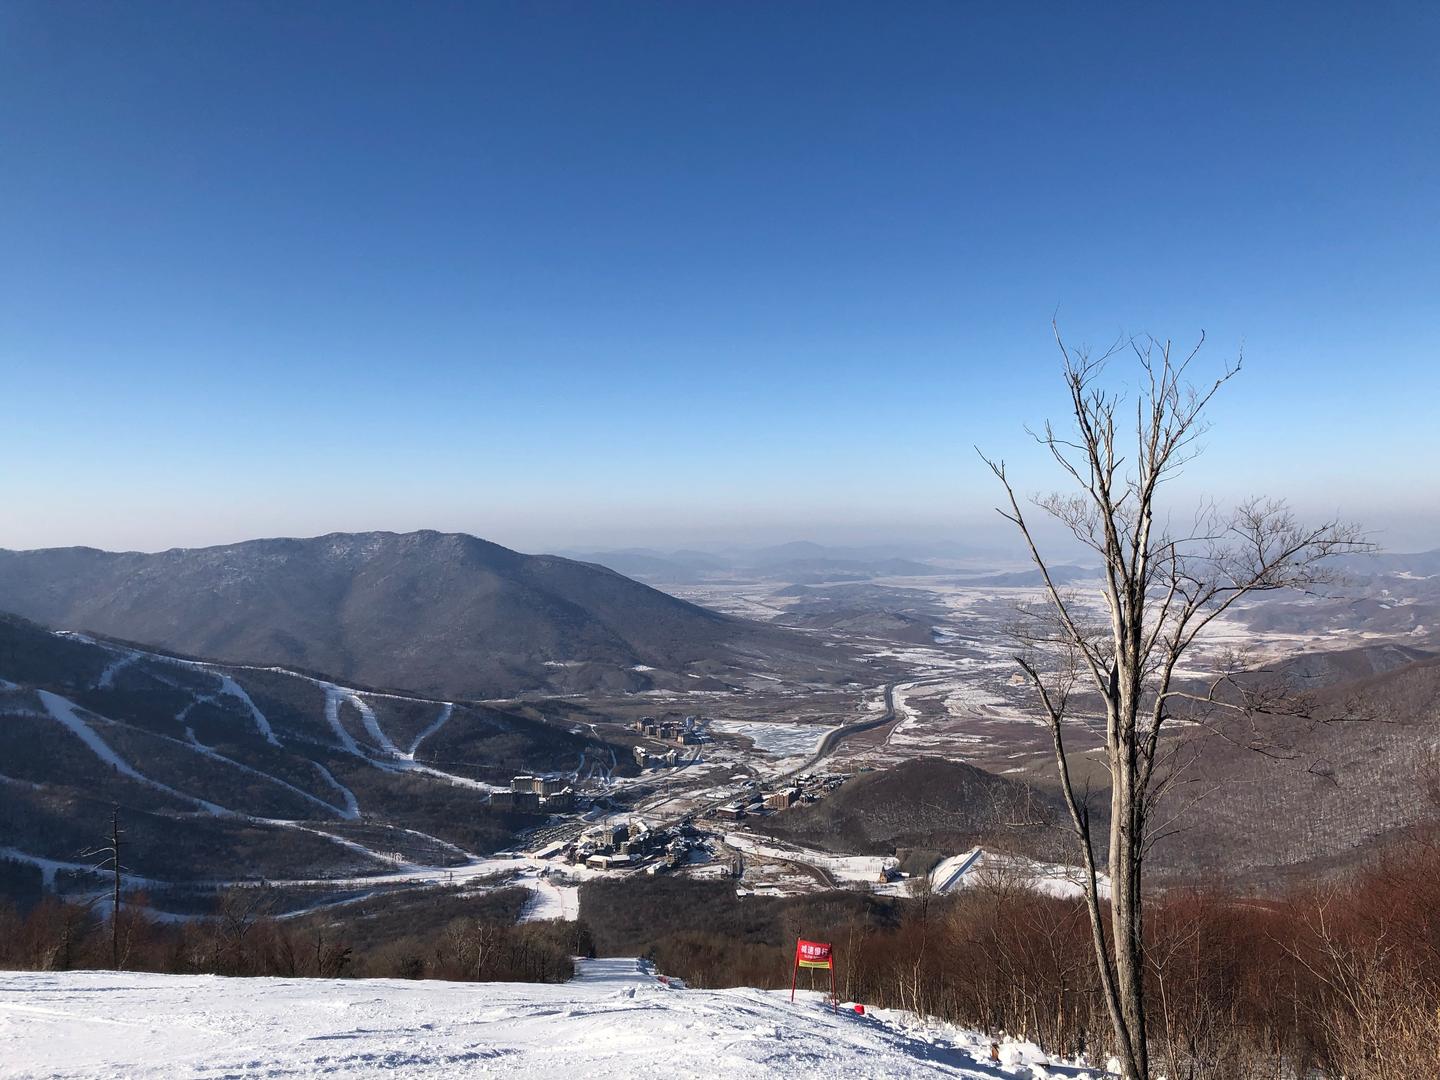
point(615, 1019)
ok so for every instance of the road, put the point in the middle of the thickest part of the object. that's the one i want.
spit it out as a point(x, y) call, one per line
point(827, 747)
point(832, 740)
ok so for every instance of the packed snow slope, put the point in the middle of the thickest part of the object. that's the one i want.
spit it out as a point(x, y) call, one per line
point(614, 1020)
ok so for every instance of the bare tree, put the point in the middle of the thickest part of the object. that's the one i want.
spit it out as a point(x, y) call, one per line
point(1115, 672)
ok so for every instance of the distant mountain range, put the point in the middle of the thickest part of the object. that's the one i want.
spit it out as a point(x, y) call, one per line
point(1418, 563)
point(1064, 574)
point(1386, 595)
point(800, 561)
point(443, 614)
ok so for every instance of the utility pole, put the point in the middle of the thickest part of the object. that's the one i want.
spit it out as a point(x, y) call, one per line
point(115, 904)
point(110, 860)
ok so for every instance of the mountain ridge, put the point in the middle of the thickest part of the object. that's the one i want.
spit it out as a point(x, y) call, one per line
point(444, 614)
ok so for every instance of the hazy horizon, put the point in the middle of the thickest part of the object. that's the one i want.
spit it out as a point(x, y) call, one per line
point(980, 541)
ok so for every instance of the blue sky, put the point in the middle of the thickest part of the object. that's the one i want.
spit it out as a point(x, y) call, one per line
point(656, 273)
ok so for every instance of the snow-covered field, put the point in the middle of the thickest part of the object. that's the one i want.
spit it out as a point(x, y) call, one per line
point(614, 1020)
point(779, 739)
point(980, 867)
point(853, 868)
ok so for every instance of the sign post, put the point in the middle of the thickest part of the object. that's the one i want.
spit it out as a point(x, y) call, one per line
point(814, 954)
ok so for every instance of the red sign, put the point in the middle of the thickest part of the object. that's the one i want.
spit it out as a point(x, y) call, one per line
point(813, 954)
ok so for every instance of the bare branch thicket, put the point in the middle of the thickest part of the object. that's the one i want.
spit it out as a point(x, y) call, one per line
point(1126, 671)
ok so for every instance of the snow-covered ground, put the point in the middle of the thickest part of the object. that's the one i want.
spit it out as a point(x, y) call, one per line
point(980, 867)
point(614, 1020)
point(779, 739)
point(556, 896)
point(966, 870)
point(852, 868)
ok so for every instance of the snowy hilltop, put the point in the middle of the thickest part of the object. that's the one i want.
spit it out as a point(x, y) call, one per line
point(615, 1019)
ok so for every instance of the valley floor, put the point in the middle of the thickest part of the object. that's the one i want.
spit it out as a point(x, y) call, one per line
point(614, 1020)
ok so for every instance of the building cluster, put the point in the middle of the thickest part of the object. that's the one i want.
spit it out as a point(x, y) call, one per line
point(648, 759)
point(541, 794)
point(686, 732)
point(782, 799)
point(629, 845)
point(808, 788)
point(814, 786)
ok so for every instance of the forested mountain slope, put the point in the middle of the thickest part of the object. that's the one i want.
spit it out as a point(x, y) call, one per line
point(446, 615)
point(228, 773)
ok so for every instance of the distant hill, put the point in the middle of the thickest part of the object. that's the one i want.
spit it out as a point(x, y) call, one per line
point(801, 561)
point(818, 570)
point(443, 614)
point(804, 561)
point(928, 803)
point(1315, 670)
point(1303, 793)
point(1419, 563)
point(674, 568)
point(1020, 579)
point(1384, 595)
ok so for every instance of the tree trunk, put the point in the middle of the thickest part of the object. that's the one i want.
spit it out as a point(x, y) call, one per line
point(1125, 907)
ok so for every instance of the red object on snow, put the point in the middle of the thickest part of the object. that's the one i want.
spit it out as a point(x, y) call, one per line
point(814, 954)
point(860, 1009)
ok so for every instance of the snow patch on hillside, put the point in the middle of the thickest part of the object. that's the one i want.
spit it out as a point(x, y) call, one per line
point(393, 759)
point(446, 712)
point(262, 724)
point(980, 867)
point(851, 868)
